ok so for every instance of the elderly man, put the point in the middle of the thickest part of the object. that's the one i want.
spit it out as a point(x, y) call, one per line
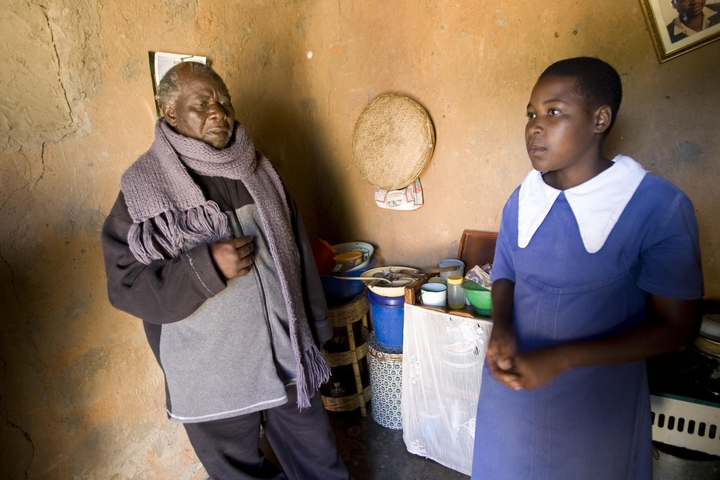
point(206, 246)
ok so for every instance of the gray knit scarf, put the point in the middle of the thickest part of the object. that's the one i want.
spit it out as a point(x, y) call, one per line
point(169, 209)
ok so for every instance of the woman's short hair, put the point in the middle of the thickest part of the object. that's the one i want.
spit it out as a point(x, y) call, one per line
point(597, 81)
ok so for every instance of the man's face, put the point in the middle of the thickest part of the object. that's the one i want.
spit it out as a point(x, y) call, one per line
point(689, 8)
point(203, 109)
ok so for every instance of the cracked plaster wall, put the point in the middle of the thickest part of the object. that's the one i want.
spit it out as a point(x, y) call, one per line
point(80, 394)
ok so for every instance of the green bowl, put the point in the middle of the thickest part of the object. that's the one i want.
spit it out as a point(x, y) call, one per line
point(479, 297)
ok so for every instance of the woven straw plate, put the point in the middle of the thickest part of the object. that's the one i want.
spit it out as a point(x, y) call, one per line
point(393, 141)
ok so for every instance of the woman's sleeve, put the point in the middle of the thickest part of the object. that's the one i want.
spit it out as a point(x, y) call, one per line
point(670, 257)
point(503, 265)
point(164, 291)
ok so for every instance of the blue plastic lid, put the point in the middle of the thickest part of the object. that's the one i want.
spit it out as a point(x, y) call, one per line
point(387, 301)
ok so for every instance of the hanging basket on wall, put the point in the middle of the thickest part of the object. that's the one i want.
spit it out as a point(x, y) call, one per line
point(393, 141)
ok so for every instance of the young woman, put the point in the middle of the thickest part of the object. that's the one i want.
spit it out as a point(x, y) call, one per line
point(585, 244)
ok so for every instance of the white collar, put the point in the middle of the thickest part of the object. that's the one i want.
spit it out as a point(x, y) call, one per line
point(597, 204)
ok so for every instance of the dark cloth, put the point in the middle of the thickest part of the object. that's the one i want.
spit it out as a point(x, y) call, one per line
point(303, 442)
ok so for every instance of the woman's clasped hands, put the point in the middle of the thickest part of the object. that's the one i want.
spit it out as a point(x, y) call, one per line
point(521, 370)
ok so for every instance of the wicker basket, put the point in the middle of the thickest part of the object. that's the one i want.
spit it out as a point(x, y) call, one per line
point(347, 313)
point(338, 359)
point(393, 141)
point(345, 317)
point(347, 403)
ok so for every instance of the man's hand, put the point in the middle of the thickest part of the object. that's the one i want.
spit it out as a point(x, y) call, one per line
point(233, 256)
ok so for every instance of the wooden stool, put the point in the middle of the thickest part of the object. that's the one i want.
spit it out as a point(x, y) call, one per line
point(346, 316)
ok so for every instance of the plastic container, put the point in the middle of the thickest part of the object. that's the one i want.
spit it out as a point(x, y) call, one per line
point(324, 254)
point(455, 292)
point(451, 262)
point(385, 383)
point(341, 291)
point(365, 248)
point(346, 261)
point(479, 297)
point(388, 319)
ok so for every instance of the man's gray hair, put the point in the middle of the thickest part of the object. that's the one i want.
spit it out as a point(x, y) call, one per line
point(169, 86)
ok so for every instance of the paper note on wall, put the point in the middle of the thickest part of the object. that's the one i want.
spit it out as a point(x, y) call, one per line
point(409, 198)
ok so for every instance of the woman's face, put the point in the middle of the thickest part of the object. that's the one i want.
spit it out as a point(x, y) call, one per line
point(560, 132)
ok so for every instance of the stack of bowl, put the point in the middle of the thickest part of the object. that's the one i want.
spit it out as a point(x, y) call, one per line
point(339, 291)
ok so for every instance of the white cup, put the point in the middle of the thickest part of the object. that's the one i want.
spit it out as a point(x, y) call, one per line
point(451, 262)
point(433, 294)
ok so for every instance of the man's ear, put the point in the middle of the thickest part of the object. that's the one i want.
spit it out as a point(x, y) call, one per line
point(169, 114)
point(603, 119)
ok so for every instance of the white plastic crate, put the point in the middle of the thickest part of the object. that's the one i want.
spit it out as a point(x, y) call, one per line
point(685, 424)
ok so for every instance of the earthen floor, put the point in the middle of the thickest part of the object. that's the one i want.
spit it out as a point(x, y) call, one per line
point(373, 452)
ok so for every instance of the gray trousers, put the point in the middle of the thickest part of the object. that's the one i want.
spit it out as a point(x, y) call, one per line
point(302, 440)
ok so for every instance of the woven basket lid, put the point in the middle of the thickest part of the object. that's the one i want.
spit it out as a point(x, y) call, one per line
point(393, 141)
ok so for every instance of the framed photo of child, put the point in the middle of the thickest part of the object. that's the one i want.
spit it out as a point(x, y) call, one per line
point(679, 26)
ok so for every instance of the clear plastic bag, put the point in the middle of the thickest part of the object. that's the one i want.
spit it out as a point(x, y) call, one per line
point(443, 357)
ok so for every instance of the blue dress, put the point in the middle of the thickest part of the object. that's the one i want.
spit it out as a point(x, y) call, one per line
point(589, 422)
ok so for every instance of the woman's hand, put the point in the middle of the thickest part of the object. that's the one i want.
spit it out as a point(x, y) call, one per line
point(536, 368)
point(501, 354)
point(671, 325)
point(502, 348)
point(528, 370)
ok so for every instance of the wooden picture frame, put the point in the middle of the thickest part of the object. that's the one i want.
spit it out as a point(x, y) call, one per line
point(670, 36)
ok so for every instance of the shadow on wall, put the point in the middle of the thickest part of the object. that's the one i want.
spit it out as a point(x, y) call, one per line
point(284, 124)
point(46, 308)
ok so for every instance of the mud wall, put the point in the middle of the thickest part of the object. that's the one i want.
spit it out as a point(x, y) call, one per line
point(80, 394)
point(473, 66)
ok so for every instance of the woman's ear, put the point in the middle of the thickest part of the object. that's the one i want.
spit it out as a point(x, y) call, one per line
point(169, 114)
point(603, 119)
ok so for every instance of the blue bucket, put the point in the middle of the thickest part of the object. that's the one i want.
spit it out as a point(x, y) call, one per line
point(388, 318)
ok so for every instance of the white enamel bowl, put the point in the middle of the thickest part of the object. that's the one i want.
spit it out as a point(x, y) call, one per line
point(393, 289)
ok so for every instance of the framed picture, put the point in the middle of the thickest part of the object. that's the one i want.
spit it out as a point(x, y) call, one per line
point(679, 26)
